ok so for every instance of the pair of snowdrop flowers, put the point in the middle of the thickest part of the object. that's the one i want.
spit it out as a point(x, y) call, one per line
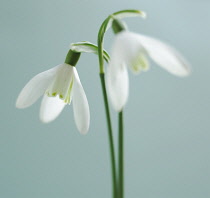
point(61, 84)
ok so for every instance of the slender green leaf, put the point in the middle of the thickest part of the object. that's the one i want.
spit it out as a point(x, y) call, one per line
point(129, 13)
point(87, 47)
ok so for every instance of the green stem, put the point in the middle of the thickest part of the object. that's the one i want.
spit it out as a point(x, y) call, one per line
point(121, 155)
point(101, 33)
point(111, 142)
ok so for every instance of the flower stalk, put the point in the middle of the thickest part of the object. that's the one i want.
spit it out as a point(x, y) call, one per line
point(121, 154)
point(117, 27)
point(104, 27)
point(102, 30)
point(110, 135)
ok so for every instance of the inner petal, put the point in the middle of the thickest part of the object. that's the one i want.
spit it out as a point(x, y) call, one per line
point(62, 84)
point(139, 63)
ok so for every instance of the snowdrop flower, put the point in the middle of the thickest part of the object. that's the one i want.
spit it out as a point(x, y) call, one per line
point(59, 85)
point(131, 50)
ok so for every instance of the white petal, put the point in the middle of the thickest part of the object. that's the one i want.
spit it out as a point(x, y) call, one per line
point(165, 56)
point(117, 85)
point(50, 109)
point(80, 105)
point(35, 88)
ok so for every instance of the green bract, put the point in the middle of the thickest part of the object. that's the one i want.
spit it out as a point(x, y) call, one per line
point(87, 47)
point(129, 13)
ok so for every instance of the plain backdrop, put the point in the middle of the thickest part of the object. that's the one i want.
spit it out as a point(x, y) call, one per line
point(167, 131)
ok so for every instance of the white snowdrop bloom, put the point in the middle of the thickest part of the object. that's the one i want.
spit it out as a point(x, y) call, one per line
point(131, 50)
point(59, 85)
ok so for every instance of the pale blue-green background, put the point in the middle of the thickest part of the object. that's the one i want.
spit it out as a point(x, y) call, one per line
point(167, 138)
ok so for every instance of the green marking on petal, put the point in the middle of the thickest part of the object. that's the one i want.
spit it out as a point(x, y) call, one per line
point(139, 63)
point(62, 84)
point(68, 96)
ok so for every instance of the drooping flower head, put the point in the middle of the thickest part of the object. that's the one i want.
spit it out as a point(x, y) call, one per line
point(131, 50)
point(59, 85)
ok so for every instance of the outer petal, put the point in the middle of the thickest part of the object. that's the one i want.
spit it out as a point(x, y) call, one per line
point(164, 55)
point(118, 85)
point(50, 109)
point(80, 105)
point(35, 88)
point(129, 45)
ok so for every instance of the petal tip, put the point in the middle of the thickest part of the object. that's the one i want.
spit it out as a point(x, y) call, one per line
point(188, 71)
point(84, 127)
point(118, 108)
point(43, 120)
point(84, 131)
point(20, 104)
point(185, 72)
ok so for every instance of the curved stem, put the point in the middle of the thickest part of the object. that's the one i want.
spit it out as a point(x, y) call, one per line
point(111, 142)
point(101, 33)
point(121, 155)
